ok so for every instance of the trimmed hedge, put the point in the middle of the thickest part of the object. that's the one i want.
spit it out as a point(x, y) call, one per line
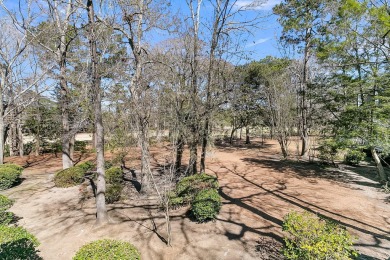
point(313, 238)
point(69, 177)
point(206, 205)
point(187, 188)
point(107, 249)
point(9, 175)
point(17, 243)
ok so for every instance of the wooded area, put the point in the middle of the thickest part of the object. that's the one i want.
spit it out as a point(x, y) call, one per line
point(141, 75)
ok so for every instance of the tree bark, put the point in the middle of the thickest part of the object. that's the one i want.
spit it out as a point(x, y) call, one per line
point(247, 139)
point(304, 106)
point(179, 153)
point(204, 145)
point(381, 171)
point(20, 137)
point(101, 210)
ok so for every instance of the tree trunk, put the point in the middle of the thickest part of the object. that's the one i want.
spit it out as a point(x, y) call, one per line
point(2, 130)
point(381, 171)
point(101, 210)
point(247, 139)
point(20, 138)
point(179, 153)
point(37, 145)
point(204, 146)
point(283, 145)
point(145, 155)
point(192, 164)
point(304, 105)
point(66, 159)
point(71, 147)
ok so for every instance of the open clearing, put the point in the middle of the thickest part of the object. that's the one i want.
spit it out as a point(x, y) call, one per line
point(257, 190)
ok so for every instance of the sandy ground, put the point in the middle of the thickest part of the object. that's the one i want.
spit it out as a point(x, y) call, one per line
point(257, 188)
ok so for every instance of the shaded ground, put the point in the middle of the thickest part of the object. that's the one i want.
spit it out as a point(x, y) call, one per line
point(257, 190)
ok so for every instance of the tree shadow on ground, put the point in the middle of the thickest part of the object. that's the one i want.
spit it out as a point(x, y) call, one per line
point(357, 225)
point(314, 170)
point(240, 144)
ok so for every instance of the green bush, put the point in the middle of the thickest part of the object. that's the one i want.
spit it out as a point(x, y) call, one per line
point(113, 192)
point(80, 146)
point(206, 205)
point(12, 166)
point(107, 249)
point(313, 238)
point(69, 177)
point(328, 151)
point(6, 218)
point(114, 175)
point(86, 166)
point(5, 204)
point(354, 157)
point(17, 243)
point(108, 165)
point(9, 175)
point(174, 200)
point(189, 186)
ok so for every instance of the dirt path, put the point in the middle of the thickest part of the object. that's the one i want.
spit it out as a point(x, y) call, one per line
point(257, 191)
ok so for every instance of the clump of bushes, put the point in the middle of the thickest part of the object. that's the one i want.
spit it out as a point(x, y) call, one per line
point(354, 157)
point(86, 166)
point(5, 216)
point(107, 249)
point(313, 238)
point(9, 175)
point(187, 188)
point(69, 177)
point(17, 243)
point(114, 187)
point(199, 190)
point(206, 205)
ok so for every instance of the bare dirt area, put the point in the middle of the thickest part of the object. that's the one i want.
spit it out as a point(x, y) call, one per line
point(257, 188)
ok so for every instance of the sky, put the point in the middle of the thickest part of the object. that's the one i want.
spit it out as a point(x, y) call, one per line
point(260, 43)
point(263, 40)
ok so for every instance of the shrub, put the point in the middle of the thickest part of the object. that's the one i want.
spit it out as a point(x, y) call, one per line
point(189, 186)
point(328, 151)
point(174, 200)
point(9, 175)
point(12, 166)
point(5, 203)
point(107, 249)
point(6, 218)
point(313, 238)
point(69, 177)
point(108, 165)
point(17, 243)
point(86, 166)
point(206, 205)
point(113, 192)
point(114, 175)
point(80, 146)
point(354, 157)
